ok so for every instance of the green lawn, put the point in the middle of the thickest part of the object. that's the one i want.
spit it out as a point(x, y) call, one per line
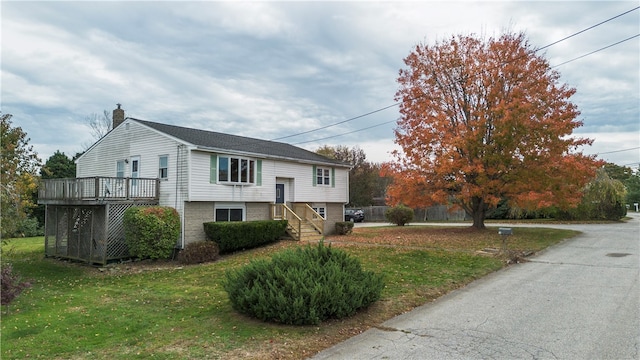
point(166, 310)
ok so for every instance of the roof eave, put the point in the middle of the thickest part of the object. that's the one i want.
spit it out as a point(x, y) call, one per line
point(266, 156)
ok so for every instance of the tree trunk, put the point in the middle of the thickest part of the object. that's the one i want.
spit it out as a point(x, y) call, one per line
point(478, 212)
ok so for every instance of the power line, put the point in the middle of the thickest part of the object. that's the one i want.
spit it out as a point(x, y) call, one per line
point(367, 128)
point(338, 123)
point(347, 133)
point(595, 51)
point(398, 103)
point(617, 151)
point(568, 61)
point(589, 28)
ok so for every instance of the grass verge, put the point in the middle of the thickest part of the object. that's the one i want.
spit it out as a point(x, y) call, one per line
point(168, 311)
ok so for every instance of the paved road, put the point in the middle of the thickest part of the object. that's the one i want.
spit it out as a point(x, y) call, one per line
point(577, 300)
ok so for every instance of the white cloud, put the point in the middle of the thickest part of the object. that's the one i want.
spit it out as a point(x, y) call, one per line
point(270, 69)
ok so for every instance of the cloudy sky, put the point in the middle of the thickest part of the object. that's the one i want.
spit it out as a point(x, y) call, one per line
point(271, 70)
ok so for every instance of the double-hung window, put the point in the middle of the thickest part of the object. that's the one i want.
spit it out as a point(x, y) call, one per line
point(163, 167)
point(120, 169)
point(323, 176)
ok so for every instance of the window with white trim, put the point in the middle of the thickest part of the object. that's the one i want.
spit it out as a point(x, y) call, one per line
point(120, 169)
point(323, 176)
point(163, 167)
point(236, 170)
point(321, 211)
point(229, 212)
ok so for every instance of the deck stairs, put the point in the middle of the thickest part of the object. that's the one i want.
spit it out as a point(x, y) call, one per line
point(303, 223)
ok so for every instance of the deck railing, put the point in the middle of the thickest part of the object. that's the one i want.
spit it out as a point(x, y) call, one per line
point(98, 188)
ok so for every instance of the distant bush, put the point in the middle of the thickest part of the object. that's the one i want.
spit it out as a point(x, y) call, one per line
point(344, 227)
point(603, 199)
point(399, 215)
point(30, 227)
point(199, 252)
point(238, 235)
point(151, 232)
point(301, 286)
point(11, 285)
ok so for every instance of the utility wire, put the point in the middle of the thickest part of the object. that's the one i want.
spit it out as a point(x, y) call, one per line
point(544, 47)
point(595, 51)
point(387, 122)
point(589, 28)
point(338, 123)
point(350, 132)
point(617, 151)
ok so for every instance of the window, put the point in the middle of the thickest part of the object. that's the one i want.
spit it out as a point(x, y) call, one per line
point(163, 167)
point(229, 214)
point(236, 170)
point(223, 173)
point(320, 211)
point(322, 176)
point(120, 169)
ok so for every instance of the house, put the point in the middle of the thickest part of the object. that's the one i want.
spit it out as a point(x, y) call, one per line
point(205, 175)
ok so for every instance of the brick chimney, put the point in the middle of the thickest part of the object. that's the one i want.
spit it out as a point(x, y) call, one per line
point(118, 116)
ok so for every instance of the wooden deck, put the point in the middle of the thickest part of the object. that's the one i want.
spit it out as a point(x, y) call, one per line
point(84, 216)
point(97, 190)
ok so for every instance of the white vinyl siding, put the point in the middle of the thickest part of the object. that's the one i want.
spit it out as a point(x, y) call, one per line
point(205, 186)
point(123, 143)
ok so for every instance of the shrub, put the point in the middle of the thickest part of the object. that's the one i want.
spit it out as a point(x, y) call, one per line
point(199, 252)
point(239, 235)
point(11, 285)
point(30, 227)
point(302, 286)
point(344, 227)
point(399, 215)
point(151, 232)
point(603, 199)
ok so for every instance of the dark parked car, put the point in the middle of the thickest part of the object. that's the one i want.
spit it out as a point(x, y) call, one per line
point(354, 215)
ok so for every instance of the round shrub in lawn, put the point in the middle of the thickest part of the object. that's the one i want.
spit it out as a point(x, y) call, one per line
point(151, 232)
point(399, 215)
point(303, 286)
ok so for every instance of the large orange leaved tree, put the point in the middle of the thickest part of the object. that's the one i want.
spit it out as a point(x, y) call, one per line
point(486, 119)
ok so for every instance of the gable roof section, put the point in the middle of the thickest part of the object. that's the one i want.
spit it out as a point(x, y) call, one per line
point(212, 140)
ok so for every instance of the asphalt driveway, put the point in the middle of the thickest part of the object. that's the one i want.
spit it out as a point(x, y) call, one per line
point(577, 300)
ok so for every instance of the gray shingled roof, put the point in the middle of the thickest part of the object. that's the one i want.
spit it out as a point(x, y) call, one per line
point(215, 140)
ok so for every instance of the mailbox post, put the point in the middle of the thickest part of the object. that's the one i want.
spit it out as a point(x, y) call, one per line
point(504, 232)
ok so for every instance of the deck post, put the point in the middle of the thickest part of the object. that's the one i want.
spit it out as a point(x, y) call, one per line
point(157, 189)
